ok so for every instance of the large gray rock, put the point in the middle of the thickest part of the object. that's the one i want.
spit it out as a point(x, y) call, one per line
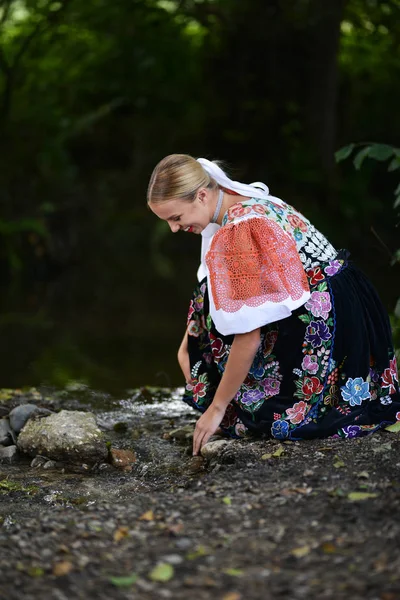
point(21, 414)
point(69, 436)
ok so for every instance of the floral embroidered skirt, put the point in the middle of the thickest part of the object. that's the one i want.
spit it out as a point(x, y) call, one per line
point(328, 370)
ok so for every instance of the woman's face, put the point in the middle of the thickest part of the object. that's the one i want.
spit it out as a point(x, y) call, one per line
point(181, 215)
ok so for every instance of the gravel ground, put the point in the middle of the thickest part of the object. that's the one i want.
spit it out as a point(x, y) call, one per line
point(258, 520)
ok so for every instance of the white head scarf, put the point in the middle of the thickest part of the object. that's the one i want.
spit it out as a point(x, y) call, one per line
point(254, 190)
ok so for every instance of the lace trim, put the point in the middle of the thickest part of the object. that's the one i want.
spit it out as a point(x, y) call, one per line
point(252, 262)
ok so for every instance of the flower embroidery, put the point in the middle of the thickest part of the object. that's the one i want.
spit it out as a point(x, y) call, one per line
point(276, 208)
point(194, 328)
point(319, 304)
point(198, 302)
point(311, 386)
point(217, 348)
point(355, 391)
point(297, 223)
point(297, 412)
point(316, 275)
point(280, 429)
point(316, 333)
point(386, 400)
point(398, 416)
point(310, 364)
point(257, 369)
point(351, 431)
point(271, 386)
point(269, 343)
point(252, 397)
point(388, 380)
point(333, 267)
point(238, 210)
point(393, 369)
point(191, 311)
point(260, 209)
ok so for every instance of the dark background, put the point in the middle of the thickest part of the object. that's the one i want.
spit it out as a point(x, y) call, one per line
point(93, 94)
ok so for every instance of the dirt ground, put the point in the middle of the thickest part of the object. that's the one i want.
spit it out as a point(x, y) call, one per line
point(259, 520)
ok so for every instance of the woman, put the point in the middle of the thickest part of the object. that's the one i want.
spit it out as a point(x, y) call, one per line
point(285, 336)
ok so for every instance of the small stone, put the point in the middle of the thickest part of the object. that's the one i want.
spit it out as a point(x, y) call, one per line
point(184, 543)
point(50, 464)
point(122, 459)
point(196, 464)
point(5, 433)
point(214, 449)
point(62, 568)
point(38, 461)
point(172, 559)
point(182, 434)
point(8, 454)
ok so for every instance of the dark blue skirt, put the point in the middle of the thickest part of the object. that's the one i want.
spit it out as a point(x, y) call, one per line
point(328, 370)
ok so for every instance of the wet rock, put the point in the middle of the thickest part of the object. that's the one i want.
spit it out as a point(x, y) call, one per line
point(8, 454)
point(182, 434)
point(5, 433)
point(21, 414)
point(39, 461)
point(68, 436)
point(50, 464)
point(196, 464)
point(214, 449)
point(122, 458)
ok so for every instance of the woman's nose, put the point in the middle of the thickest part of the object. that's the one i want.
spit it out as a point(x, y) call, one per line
point(174, 227)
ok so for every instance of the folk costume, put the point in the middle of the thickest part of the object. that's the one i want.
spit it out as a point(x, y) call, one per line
point(325, 366)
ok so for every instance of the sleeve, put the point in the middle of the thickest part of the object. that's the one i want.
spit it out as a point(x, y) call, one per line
point(255, 275)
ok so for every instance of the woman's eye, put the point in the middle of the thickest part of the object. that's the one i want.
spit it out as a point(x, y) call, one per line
point(176, 219)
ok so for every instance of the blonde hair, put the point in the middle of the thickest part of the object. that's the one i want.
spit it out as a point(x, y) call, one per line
point(177, 176)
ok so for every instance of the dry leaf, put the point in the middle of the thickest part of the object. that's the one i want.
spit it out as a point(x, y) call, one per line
point(120, 533)
point(328, 548)
point(232, 596)
point(301, 551)
point(62, 568)
point(393, 428)
point(266, 456)
point(147, 516)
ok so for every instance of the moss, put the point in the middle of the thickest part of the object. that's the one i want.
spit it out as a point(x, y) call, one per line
point(7, 486)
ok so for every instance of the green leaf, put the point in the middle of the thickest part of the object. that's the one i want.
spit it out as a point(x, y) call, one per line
point(397, 190)
point(305, 318)
point(396, 202)
point(227, 500)
point(126, 581)
point(380, 151)
point(344, 152)
point(394, 164)
point(356, 496)
point(393, 428)
point(233, 572)
point(338, 464)
point(359, 158)
point(278, 452)
point(162, 572)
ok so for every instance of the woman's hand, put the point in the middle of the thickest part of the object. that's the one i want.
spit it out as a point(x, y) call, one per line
point(206, 426)
point(183, 359)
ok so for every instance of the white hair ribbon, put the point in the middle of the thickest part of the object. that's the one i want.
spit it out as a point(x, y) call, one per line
point(253, 190)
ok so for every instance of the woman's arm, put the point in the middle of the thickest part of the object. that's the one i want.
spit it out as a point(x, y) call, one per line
point(243, 351)
point(183, 358)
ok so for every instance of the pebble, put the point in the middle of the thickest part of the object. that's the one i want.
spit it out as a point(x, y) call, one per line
point(122, 458)
point(5, 433)
point(214, 449)
point(9, 453)
point(172, 559)
point(184, 543)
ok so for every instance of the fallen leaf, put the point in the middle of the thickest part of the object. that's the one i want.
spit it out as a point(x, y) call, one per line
point(363, 475)
point(296, 490)
point(393, 428)
point(301, 551)
point(126, 581)
point(325, 448)
point(227, 500)
point(147, 516)
point(232, 596)
point(120, 533)
point(233, 572)
point(62, 568)
point(382, 448)
point(328, 548)
point(338, 464)
point(200, 551)
point(355, 496)
point(175, 529)
point(278, 452)
point(162, 572)
point(266, 456)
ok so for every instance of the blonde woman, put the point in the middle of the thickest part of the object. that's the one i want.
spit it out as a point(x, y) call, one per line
point(285, 336)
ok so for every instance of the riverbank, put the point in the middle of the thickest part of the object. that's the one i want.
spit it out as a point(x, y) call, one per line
point(259, 519)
